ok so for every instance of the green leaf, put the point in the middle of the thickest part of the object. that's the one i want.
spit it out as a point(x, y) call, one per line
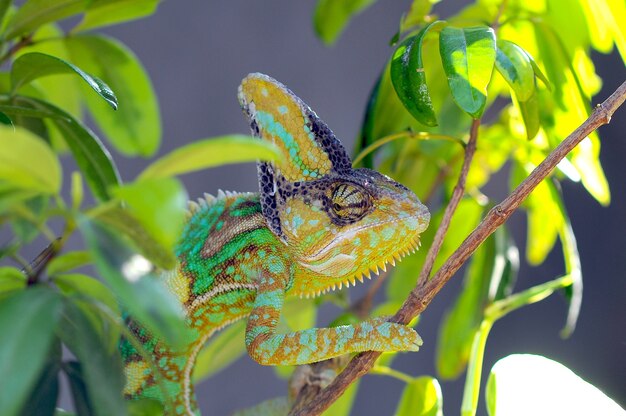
point(78, 387)
point(221, 351)
point(207, 153)
point(5, 6)
point(27, 162)
point(130, 228)
point(43, 398)
point(421, 397)
point(529, 110)
point(331, 17)
point(29, 216)
point(35, 65)
point(513, 63)
point(35, 13)
point(91, 156)
point(101, 13)
point(490, 276)
point(91, 296)
point(26, 111)
point(68, 261)
point(574, 292)
point(11, 279)
point(538, 72)
point(128, 274)
point(135, 129)
point(160, 205)
point(276, 406)
point(409, 79)
point(4, 119)
point(97, 362)
point(23, 354)
point(145, 407)
point(549, 388)
point(468, 56)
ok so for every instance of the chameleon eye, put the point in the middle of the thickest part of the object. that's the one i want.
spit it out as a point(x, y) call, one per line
point(350, 203)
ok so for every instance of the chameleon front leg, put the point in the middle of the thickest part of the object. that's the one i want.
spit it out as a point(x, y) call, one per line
point(316, 344)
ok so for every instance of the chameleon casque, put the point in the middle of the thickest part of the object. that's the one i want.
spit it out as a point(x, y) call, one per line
point(316, 224)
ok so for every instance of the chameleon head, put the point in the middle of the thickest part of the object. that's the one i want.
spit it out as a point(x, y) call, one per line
point(339, 223)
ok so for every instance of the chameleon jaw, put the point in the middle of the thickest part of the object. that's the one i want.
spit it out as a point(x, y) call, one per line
point(410, 248)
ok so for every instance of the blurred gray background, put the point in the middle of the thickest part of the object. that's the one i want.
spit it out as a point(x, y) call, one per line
point(198, 51)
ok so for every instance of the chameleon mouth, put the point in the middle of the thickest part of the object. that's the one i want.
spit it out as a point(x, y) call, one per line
point(409, 248)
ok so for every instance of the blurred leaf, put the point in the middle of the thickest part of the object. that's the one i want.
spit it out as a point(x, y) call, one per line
point(417, 14)
point(27, 162)
point(12, 195)
point(207, 153)
point(26, 111)
point(29, 218)
point(299, 313)
point(11, 279)
point(23, 354)
point(34, 65)
point(76, 191)
point(102, 13)
point(586, 159)
point(574, 292)
point(538, 72)
point(331, 17)
point(468, 56)
point(34, 13)
point(513, 63)
point(549, 388)
point(5, 5)
point(141, 293)
point(97, 362)
point(421, 397)
point(91, 156)
point(343, 405)
point(277, 406)
point(78, 388)
point(4, 119)
point(135, 129)
point(529, 110)
point(129, 227)
point(68, 261)
point(43, 398)
point(160, 205)
point(90, 295)
point(222, 350)
point(409, 79)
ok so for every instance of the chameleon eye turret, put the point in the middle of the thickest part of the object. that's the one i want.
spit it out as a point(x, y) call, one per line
point(315, 225)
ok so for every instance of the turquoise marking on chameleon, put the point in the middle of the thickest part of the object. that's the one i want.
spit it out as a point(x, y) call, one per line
point(282, 109)
point(269, 298)
point(273, 127)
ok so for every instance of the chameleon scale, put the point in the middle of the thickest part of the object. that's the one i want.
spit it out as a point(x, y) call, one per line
point(316, 225)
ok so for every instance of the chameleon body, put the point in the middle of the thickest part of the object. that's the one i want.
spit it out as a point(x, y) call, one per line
point(316, 224)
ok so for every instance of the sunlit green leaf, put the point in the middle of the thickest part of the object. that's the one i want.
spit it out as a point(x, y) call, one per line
point(91, 156)
point(102, 13)
point(207, 153)
point(468, 57)
point(23, 354)
point(421, 397)
point(34, 65)
point(11, 279)
point(514, 65)
point(98, 363)
point(409, 79)
point(34, 13)
point(549, 388)
point(135, 128)
point(529, 110)
point(417, 14)
point(128, 274)
point(42, 172)
point(159, 204)
point(68, 261)
point(331, 17)
point(222, 350)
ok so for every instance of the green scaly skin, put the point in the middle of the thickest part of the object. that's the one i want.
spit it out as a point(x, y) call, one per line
point(316, 224)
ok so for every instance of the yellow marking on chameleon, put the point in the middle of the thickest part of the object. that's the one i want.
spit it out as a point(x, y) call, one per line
point(286, 129)
point(133, 384)
point(178, 283)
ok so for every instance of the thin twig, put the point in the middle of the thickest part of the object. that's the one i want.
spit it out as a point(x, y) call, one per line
point(423, 294)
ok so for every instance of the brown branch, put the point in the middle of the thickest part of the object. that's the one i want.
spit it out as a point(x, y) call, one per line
point(423, 294)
